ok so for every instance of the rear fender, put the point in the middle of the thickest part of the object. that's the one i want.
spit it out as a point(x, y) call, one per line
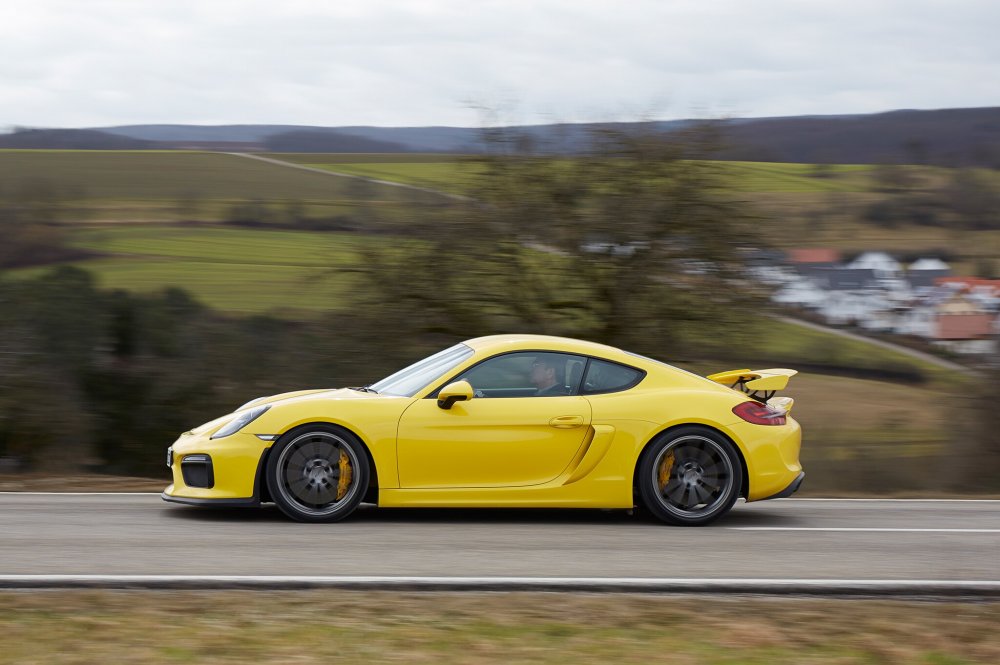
point(715, 427)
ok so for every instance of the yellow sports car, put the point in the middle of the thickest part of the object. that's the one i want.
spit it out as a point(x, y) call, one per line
point(505, 421)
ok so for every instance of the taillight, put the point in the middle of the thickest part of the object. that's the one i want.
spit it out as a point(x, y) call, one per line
point(760, 414)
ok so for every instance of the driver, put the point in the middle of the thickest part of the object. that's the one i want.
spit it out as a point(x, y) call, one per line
point(546, 375)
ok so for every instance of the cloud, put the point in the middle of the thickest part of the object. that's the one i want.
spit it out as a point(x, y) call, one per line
point(105, 62)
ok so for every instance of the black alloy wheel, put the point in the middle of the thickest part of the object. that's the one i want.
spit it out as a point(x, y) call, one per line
point(690, 476)
point(318, 473)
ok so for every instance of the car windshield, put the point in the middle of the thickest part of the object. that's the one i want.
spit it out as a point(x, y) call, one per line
point(406, 382)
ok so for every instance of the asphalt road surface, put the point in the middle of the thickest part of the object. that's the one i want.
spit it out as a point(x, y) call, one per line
point(139, 534)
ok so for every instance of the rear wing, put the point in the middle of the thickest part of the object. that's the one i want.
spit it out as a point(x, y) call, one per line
point(758, 384)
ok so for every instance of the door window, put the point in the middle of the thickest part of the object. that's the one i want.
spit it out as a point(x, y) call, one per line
point(527, 374)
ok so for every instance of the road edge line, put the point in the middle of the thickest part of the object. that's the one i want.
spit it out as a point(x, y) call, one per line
point(781, 587)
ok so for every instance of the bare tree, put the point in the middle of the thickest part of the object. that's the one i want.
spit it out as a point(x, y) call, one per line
point(633, 242)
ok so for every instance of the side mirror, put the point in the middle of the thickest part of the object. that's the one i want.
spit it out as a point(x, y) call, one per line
point(460, 391)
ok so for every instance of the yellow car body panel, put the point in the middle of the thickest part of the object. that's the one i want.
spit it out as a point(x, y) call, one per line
point(574, 450)
point(490, 442)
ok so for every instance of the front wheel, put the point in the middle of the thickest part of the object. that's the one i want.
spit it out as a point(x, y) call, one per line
point(690, 476)
point(317, 474)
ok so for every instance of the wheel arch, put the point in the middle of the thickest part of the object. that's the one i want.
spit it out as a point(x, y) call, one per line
point(371, 493)
point(744, 470)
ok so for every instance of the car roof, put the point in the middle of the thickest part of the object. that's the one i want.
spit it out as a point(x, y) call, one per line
point(519, 342)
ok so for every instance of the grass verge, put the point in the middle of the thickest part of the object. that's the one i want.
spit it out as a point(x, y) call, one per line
point(321, 627)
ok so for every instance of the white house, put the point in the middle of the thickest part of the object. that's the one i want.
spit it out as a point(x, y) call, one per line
point(884, 265)
point(920, 321)
point(924, 272)
point(844, 307)
point(928, 264)
point(801, 293)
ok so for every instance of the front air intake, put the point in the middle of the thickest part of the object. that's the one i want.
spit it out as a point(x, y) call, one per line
point(197, 471)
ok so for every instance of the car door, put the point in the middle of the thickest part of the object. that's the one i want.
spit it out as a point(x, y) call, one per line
point(513, 433)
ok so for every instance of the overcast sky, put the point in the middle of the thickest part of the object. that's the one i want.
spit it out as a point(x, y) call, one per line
point(78, 63)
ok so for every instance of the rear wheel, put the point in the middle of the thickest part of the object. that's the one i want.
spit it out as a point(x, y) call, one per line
point(690, 476)
point(317, 474)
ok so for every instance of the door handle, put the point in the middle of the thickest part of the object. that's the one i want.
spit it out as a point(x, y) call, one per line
point(566, 422)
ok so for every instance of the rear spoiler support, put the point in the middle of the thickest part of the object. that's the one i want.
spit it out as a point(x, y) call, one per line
point(760, 384)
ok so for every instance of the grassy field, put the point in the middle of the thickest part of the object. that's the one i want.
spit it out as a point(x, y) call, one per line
point(447, 173)
point(231, 269)
point(362, 627)
point(823, 203)
point(453, 172)
point(177, 185)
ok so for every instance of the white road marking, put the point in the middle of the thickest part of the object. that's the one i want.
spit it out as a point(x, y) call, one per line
point(677, 584)
point(863, 529)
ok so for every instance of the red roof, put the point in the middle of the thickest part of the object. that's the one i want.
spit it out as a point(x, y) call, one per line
point(969, 282)
point(814, 255)
point(964, 326)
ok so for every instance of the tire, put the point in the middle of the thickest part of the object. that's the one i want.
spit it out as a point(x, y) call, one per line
point(306, 468)
point(690, 476)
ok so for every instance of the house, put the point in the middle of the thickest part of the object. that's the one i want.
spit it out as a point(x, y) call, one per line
point(845, 279)
point(962, 326)
point(800, 293)
point(808, 261)
point(920, 320)
point(978, 285)
point(924, 272)
point(854, 307)
point(883, 265)
point(814, 256)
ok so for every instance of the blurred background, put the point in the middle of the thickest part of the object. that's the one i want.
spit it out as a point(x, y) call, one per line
point(737, 207)
point(146, 290)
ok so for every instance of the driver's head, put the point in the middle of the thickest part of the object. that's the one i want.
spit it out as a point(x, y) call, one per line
point(545, 371)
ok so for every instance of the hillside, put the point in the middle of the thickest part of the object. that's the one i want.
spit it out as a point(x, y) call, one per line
point(946, 137)
point(71, 139)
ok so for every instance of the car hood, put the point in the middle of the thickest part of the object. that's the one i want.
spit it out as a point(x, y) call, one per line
point(307, 395)
point(288, 398)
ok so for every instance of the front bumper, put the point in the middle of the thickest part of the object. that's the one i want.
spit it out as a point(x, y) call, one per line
point(252, 502)
point(236, 464)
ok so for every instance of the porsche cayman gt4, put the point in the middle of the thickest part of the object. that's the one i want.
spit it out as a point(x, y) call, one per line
point(505, 421)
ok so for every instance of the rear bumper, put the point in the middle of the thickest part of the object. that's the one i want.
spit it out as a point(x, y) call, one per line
point(792, 488)
point(772, 457)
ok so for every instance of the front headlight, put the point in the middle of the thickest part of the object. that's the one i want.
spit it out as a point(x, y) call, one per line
point(241, 421)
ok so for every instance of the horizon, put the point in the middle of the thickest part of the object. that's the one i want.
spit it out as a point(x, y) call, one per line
point(24, 127)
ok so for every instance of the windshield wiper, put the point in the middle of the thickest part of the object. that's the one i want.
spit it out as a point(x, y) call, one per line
point(365, 389)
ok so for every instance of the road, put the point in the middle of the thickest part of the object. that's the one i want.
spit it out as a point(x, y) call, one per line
point(376, 181)
point(906, 351)
point(138, 534)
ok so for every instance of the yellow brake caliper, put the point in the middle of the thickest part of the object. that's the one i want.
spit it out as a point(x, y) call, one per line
point(345, 475)
point(664, 473)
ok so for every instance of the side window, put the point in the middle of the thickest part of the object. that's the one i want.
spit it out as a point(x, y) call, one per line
point(606, 377)
point(527, 374)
